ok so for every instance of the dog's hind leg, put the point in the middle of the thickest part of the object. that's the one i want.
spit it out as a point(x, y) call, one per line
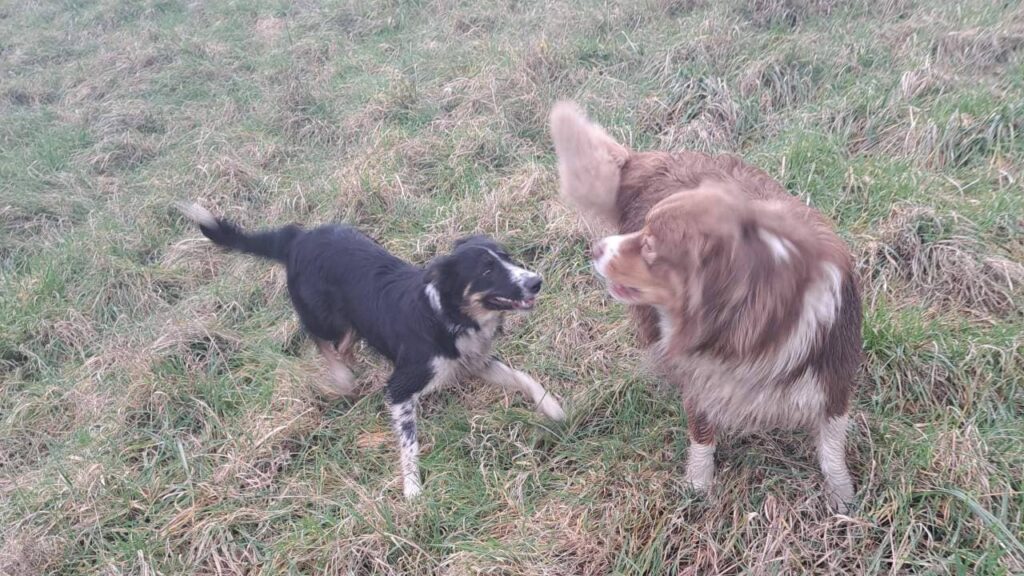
point(700, 461)
point(832, 456)
point(498, 373)
point(345, 346)
point(341, 381)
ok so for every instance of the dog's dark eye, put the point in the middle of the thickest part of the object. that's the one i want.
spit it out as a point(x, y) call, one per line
point(489, 266)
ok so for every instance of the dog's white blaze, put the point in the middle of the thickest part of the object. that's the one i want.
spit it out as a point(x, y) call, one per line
point(780, 247)
point(409, 448)
point(832, 456)
point(197, 214)
point(433, 296)
point(610, 249)
point(822, 301)
point(510, 379)
point(518, 275)
point(700, 466)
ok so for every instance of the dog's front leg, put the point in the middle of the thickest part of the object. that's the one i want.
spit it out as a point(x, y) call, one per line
point(403, 420)
point(700, 461)
point(496, 372)
point(404, 388)
point(832, 456)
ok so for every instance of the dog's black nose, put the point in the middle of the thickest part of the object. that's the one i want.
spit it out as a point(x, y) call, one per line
point(532, 284)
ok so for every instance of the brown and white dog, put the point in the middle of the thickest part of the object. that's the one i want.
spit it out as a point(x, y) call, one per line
point(746, 294)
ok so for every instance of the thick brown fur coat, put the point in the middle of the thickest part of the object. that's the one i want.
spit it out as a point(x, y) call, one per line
point(746, 294)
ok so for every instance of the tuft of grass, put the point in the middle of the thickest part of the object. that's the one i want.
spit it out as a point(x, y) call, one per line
point(159, 406)
point(943, 261)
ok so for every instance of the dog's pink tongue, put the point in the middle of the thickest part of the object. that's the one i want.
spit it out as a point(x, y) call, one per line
point(618, 290)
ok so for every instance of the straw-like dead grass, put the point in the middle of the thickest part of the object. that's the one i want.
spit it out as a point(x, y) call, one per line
point(942, 262)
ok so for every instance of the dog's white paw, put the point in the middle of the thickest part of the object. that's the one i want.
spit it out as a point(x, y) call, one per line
point(699, 480)
point(700, 467)
point(551, 408)
point(840, 495)
point(412, 488)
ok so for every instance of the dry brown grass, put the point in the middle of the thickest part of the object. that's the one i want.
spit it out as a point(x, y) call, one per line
point(699, 114)
point(940, 261)
point(980, 47)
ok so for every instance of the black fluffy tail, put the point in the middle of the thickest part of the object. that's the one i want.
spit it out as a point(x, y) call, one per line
point(272, 244)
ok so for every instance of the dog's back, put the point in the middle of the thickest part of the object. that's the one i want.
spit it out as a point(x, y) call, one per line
point(339, 276)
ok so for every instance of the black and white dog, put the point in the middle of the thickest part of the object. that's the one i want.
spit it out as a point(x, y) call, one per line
point(435, 324)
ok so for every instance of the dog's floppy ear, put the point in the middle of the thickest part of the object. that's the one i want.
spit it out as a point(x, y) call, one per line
point(481, 239)
point(750, 282)
point(437, 268)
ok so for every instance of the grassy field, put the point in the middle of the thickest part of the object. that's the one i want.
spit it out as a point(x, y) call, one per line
point(157, 407)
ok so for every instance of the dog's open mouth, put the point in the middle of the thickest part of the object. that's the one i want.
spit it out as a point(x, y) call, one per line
point(623, 292)
point(499, 303)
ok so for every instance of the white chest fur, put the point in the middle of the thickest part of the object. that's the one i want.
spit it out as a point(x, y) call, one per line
point(474, 348)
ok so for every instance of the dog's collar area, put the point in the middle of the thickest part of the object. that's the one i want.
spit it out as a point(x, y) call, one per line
point(454, 321)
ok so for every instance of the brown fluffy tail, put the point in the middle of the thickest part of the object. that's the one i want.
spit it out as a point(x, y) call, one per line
point(589, 162)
